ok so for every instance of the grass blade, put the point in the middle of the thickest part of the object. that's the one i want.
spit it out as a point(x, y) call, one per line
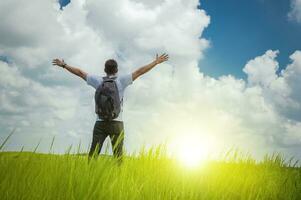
point(6, 139)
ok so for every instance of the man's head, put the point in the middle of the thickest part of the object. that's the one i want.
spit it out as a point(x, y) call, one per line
point(111, 67)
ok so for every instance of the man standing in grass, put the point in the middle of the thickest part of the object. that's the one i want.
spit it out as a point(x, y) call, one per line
point(109, 101)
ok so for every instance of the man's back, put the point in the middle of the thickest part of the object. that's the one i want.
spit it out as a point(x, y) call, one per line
point(121, 81)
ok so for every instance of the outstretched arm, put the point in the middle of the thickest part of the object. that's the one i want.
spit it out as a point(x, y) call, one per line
point(146, 68)
point(74, 70)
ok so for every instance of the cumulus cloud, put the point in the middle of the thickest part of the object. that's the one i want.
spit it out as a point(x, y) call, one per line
point(280, 89)
point(260, 114)
point(295, 13)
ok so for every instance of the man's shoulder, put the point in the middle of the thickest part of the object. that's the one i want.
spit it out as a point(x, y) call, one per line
point(125, 79)
point(94, 76)
point(93, 80)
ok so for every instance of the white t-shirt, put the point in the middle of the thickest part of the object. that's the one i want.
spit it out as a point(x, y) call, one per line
point(121, 81)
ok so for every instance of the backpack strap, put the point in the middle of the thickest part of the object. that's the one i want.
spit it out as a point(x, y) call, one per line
point(109, 79)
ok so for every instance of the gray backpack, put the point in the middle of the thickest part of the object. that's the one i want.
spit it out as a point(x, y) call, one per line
point(107, 102)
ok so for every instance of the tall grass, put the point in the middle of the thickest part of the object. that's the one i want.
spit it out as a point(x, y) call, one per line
point(147, 175)
point(26, 175)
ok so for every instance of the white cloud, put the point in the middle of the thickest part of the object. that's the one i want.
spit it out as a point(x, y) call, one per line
point(295, 13)
point(262, 70)
point(261, 114)
point(279, 89)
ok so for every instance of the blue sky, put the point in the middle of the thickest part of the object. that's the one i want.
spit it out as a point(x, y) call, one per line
point(240, 32)
point(64, 2)
point(242, 29)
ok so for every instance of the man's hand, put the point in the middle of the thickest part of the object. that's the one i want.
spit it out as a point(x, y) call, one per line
point(58, 62)
point(73, 70)
point(160, 59)
point(142, 70)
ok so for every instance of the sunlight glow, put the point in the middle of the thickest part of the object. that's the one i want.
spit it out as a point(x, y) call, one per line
point(192, 150)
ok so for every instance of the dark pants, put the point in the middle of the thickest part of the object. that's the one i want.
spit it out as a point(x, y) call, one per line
point(101, 130)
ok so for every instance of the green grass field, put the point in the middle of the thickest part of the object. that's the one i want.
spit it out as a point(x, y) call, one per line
point(149, 175)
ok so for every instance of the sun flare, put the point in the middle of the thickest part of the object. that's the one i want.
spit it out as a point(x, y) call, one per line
point(192, 150)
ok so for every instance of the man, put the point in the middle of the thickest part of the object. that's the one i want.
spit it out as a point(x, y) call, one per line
point(113, 128)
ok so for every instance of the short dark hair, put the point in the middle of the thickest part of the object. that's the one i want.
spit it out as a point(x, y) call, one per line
point(111, 66)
